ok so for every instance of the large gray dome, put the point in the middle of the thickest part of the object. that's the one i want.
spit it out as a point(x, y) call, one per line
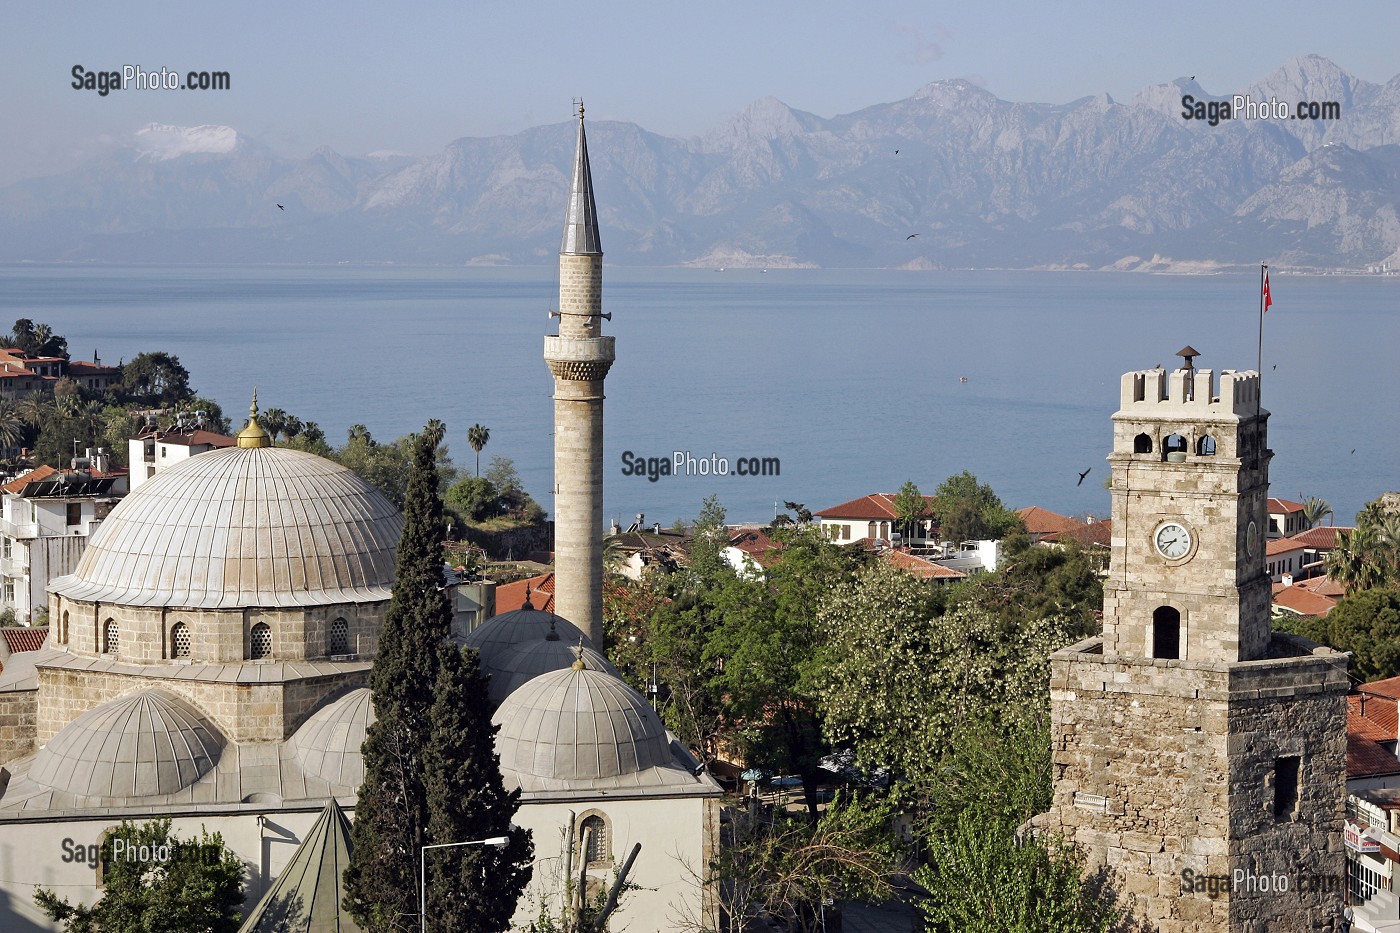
point(239, 527)
point(138, 745)
point(502, 634)
point(578, 725)
point(526, 661)
point(328, 744)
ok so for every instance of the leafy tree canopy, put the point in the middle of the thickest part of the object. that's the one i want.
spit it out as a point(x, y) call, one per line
point(971, 511)
point(35, 340)
point(156, 380)
point(181, 885)
point(1366, 623)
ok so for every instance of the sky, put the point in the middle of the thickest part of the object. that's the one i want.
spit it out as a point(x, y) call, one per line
point(370, 77)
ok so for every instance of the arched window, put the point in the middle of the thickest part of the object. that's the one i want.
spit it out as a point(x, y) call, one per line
point(260, 641)
point(111, 637)
point(593, 835)
point(339, 640)
point(1166, 633)
point(63, 628)
point(179, 640)
point(1205, 446)
point(1174, 448)
point(1142, 444)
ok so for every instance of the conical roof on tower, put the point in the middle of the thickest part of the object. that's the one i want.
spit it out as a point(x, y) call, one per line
point(581, 221)
point(309, 895)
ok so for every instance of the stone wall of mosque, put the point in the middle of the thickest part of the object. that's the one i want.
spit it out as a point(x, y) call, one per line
point(18, 714)
point(243, 712)
point(150, 635)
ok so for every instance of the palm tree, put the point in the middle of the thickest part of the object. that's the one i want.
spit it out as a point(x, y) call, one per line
point(1315, 510)
point(477, 436)
point(11, 426)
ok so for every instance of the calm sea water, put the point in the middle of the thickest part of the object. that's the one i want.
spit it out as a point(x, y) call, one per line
point(851, 378)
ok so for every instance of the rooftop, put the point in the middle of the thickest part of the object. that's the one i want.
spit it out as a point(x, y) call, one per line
point(878, 506)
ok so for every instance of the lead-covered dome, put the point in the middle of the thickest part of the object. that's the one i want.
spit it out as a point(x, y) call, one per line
point(499, 635)
point(578, 725)
point(328, 744)
point(138, 745)
point(239, 527)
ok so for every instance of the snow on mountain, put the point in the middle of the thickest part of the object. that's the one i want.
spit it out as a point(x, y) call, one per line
point(160, 142)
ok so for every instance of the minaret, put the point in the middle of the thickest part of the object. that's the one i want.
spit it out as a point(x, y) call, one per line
point(579, 357)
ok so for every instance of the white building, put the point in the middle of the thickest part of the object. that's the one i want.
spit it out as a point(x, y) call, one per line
point(46, 518)
point(153, 451)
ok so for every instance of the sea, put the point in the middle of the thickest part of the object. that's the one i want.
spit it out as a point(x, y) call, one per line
point(848, 382)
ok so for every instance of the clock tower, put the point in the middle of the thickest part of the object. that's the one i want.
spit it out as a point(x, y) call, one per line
point(1199, 756)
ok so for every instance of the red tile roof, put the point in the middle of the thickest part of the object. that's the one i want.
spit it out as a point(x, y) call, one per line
point(1282, 546)
point(1283, 505)
point(196, 438)
point(1303, 601)
point(878, 506)
point(24, 639)
point(1323, 537)
point(1390, 687)
point(757, 544)
point(1099, 534)
point(1041, 522)
point(38, 474)
point(1367, 759)
point(1379, 724)
point(511, 596)
point(1323, 586)
point(920, 567)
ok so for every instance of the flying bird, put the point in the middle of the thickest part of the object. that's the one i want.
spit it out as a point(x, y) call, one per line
point(1353, 450)
point(911, 236)
point(1082, 475)
point(1275, 366)
point(896, 152)
point(281, 208)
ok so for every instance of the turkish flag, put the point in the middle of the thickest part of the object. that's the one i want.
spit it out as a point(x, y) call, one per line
point(1268, 298)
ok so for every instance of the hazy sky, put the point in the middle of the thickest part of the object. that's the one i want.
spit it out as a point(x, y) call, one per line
point(362, 77)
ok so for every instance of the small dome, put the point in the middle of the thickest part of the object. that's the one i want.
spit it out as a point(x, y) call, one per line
point(328, 744)
point(139, 745)
point(578, 725)
point(499, 635)
point(241, 527)
point(526, 661)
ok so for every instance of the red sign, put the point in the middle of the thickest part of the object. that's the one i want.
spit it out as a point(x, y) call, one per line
point(1355, 838)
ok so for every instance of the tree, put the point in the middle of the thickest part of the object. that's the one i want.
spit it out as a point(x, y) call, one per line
point(1368, 556)
point(184, 885)
point(11, 425)
point(470, 887)
point(477, 436)
point(35, 340)
point(970, 511)
point(155, 379)
point(474, 498)
point(1315, 510)
point(980, 876)
point(426, 774)
point(391, 814)
point(909, 507)
point(1366, 623)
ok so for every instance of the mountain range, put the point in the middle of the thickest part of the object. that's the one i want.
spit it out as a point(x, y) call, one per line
point(984, 182)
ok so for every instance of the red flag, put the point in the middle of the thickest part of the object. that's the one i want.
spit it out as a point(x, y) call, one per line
point(1268, 298)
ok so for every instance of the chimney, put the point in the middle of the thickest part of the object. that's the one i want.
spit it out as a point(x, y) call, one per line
point(1287, 579)
point(656, 528)
point(615, 528)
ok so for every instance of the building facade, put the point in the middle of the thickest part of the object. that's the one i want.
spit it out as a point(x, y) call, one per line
point(1199, 756)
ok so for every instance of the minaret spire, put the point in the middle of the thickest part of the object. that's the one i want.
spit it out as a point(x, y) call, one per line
point(579, 356)
point(581, 221)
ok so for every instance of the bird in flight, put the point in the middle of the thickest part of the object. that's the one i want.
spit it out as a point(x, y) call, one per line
point(1353, 450)
point(1275, 366)
point(281, 208)
point(911, 236)
point(896, 152)
point(1082, 475)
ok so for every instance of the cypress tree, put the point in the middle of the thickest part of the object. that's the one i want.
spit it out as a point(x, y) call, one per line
point(391, 814)
point(470, 887)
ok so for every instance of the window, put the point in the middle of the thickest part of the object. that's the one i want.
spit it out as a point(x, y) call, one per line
point(1362, 880)
point(1174, 444)
point(63, 628)
point(111, 637)
point(1286, 787)
point(1142, 444)
point(339, 641)
point(75, 514)
point(593, 835)
point(1205, 446)
point(1166, 633)
point(260, 642)
point(180, 640)
point(5, 545)
point(9, 591)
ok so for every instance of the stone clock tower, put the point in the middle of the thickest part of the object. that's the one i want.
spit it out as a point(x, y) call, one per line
point(1198, 755)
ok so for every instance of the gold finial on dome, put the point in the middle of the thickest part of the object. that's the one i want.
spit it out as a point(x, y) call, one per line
point(254, 435)
point(578, 664)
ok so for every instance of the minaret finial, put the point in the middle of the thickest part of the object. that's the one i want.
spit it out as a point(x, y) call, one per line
point(581, 220)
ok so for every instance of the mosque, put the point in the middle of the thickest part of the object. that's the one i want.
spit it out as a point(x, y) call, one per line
point(208, 661)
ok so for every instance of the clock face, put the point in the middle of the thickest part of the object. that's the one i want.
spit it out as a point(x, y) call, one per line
point(1173, 541)
point(1251, 539)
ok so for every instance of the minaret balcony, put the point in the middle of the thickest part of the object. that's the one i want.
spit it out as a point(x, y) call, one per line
point(584, 359)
